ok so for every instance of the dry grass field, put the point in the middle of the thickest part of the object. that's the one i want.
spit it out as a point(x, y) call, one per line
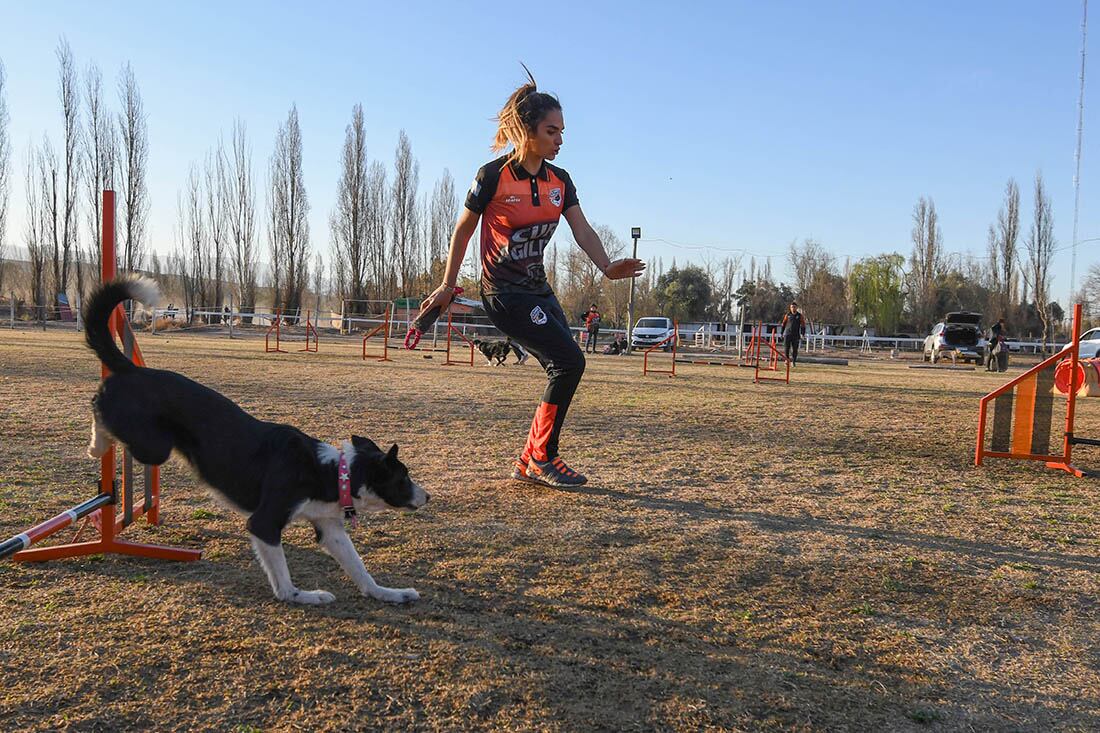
point(818, 556)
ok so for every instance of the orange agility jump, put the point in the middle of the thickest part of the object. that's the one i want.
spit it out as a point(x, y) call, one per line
point(1023, 410)
point(100, 510)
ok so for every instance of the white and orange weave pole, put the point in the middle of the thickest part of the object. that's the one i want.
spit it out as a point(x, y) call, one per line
point(100, 510)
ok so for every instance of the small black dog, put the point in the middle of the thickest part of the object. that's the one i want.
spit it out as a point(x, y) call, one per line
point(499, 350)
point(273, 473)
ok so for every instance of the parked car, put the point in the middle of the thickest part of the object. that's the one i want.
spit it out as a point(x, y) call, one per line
point(959, 332)
point(651, 331)
point(1090, 344)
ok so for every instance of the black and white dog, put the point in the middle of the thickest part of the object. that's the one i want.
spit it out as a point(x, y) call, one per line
point(499, 350)
point(273, 473)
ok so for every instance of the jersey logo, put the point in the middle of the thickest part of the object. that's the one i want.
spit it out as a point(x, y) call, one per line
point(475, 189)
point(512, 199)
point(538, 316)
point(555, 196)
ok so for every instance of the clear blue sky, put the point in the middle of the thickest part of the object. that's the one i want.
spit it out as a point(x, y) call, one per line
point(740, 125)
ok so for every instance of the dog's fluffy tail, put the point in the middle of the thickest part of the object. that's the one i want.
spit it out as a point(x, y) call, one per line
point(97, 313)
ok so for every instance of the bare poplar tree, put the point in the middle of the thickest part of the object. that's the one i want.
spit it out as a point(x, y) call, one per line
point(318, 285)
point(239, 193)
point(727, 286)
point(217, 221)
point(348, 222)
point(133, 163)
point(443, 215)
point(926, 265)
point(49, 182)
point(404, 195)
point(288, 208)
point(34, 235)
point(379, 264)
point(1089, 295)
point(1040, 250)
point(100, 154)
point(1008, 236)
point(69, 95)
point(5, 173)
point(194, 243)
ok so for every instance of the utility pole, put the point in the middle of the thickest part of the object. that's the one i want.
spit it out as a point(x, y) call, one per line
point(1077, 153)
point(636, 234)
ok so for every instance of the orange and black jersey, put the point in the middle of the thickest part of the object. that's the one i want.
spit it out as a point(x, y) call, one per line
point(519, 214)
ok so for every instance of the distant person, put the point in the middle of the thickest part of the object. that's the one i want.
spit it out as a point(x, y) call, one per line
point(792, 329)
point(227, 315)
point(616, 347)
point(592, 323)
point(996, 359)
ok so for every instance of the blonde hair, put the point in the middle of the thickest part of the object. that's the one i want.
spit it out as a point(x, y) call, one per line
point(520, 117)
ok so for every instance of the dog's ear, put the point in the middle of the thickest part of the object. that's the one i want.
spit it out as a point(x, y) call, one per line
point(364, 444)
point(391, 455)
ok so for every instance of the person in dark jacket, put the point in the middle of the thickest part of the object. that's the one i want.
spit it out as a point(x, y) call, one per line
point(592, 323)
point(996, 359)
point(792, 329)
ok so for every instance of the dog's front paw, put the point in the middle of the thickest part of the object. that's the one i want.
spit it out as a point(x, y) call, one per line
point(311, 597)
point(397, 595)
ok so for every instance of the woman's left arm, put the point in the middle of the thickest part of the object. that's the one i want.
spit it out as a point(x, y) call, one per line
point(590, 242)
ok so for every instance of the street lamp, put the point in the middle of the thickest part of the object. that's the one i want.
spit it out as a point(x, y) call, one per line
point(636, 234)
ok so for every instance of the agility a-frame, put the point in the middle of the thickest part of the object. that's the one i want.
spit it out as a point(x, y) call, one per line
point(1024, 418)
point(101, 510)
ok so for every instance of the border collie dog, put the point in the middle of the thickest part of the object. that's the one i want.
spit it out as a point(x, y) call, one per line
point(273, 473)
point(499, 350)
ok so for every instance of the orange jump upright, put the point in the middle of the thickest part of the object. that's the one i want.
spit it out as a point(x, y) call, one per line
point(451, 331)
point(101, 508)
point(384, 329)
point(675, 339)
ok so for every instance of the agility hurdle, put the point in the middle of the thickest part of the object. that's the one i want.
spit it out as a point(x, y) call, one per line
point(100, 510)
point(773, 358)
point(452, 330)
point(1023, 410)
point(384, 329)
point(310, 330)
point(674, 338)
point(277, 328)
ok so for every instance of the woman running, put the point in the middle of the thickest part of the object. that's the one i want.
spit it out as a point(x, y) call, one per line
point(520, 198)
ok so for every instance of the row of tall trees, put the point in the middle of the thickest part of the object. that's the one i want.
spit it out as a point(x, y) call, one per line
point(98, 148)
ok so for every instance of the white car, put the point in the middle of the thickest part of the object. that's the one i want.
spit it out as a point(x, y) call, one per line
point(1090, 344)
point(650, 332)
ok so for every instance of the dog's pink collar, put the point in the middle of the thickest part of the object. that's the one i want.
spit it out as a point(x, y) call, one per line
point(343, 480)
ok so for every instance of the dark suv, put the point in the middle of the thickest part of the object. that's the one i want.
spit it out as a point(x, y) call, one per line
point(959, 333)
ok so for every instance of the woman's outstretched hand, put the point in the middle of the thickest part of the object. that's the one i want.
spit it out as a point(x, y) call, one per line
point(440, 298)
point(624, 268)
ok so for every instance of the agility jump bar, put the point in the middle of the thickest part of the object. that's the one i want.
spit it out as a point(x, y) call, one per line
point(45, 529)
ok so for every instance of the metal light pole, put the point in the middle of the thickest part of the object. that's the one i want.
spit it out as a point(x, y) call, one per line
point(636, 234)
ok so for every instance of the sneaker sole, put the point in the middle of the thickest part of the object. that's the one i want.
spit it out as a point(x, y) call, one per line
point(556, 484)
point(524, 478)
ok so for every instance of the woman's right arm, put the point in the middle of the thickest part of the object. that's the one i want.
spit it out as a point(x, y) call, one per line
point(464, 229)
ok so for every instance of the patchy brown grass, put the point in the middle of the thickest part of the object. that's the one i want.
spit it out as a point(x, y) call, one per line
point(815, 556)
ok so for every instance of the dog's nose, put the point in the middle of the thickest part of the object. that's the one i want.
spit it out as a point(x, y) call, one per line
point(427, 497)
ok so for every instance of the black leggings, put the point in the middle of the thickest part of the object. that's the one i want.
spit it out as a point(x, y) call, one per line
point(593, 337)
point(790, 347)
point(538, 324)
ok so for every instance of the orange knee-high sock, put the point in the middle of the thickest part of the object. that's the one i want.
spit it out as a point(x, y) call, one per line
point(541, 428)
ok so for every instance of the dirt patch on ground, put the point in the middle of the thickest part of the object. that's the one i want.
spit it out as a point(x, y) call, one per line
point(821, 555)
